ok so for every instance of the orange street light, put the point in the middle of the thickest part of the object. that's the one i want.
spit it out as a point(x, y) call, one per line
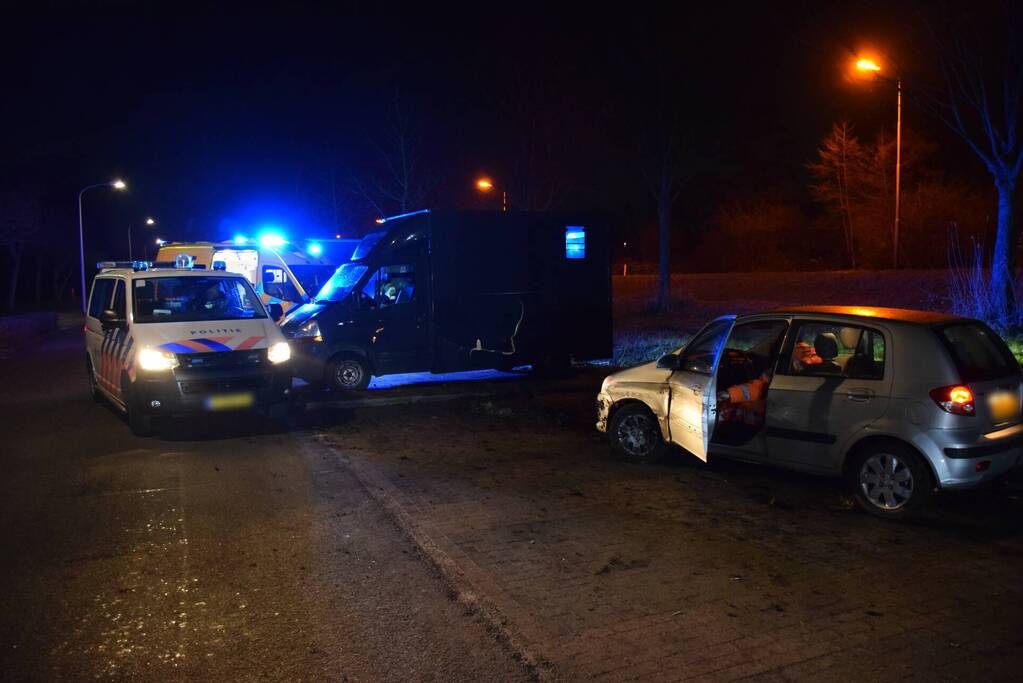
point(867, 64)
point(486, 185)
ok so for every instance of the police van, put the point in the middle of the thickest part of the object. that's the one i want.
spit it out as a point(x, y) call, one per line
point(167, 341)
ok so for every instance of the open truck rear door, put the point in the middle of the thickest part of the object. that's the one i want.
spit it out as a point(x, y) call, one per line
point(692, 385)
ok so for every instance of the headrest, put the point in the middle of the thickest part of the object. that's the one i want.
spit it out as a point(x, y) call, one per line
point(850, 337)
point(826, 345)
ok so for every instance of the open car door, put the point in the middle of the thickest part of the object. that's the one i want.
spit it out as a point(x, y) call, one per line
point(693, 401)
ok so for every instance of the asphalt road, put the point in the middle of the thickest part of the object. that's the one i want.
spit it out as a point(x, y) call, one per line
point(236, 548)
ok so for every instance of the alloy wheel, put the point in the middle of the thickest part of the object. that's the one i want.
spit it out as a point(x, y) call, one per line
point(635, 434)
point(886, 481)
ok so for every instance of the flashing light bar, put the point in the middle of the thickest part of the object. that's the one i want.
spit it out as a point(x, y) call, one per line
point(134, 265)
point(402, 215)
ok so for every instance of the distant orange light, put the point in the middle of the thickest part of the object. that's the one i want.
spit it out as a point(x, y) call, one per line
point(866, 312)
point(867, 65)
point(485, 184)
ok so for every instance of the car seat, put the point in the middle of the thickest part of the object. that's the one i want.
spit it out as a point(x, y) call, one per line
point(826, 346)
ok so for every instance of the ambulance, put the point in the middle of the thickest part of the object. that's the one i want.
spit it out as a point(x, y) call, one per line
point(280, 272)
point(179, 340)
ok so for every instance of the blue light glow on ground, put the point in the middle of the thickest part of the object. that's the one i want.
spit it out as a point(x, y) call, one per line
point(405, 379)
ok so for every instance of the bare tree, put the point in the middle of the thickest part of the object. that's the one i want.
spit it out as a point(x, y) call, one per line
point(837, 174)
point(980, 101)
point(399, 184)
point(20, 224)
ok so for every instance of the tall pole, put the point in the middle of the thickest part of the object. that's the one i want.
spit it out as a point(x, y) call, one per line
point(81, 244)
point(898, 174)
point(116, 184)
point(129, 241)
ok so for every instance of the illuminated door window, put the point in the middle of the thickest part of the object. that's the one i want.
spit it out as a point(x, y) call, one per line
point(575, 242)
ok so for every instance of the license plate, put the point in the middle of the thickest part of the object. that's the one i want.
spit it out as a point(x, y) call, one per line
point(230, 401)
point(1004, 405)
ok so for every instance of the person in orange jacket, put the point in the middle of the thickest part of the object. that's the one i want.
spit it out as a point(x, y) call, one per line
point(804, 355)
point(746, 402)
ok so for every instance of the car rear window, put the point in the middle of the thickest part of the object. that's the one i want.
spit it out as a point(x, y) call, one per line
point(979, 353)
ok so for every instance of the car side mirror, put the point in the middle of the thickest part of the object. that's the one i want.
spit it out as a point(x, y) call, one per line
point(668, 361)
point(110, 320)
point(276, 311)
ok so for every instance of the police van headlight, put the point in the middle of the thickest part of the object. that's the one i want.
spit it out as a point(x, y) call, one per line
point(154, 359)
point(279, 352)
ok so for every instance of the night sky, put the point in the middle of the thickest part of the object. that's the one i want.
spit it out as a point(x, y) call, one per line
point(222, 118)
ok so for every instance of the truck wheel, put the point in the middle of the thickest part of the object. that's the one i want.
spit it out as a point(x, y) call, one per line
point(635, 435)
point(139, 423)
point(348, 373)
point(93, 387)
point(889, 480)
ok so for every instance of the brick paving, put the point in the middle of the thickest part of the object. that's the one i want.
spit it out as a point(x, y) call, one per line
point(683, 571)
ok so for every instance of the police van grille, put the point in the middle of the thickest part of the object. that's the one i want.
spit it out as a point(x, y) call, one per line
point(228, 384)
point(222, 360)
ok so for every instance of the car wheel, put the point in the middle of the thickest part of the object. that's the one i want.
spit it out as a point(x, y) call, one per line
point(890, 480)
point(348, 373)
point(93, 387)
point(635, 434)
point(139, 423)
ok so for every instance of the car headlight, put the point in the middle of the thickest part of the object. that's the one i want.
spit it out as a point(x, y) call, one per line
point(279, 352)
point(308, 332)
point(154, 359)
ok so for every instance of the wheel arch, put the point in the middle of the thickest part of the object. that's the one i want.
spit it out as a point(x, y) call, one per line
point(877, 440)
point(632, 401)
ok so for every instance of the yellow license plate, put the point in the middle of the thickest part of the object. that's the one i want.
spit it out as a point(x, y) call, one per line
point(1004, 405)
point(230, 401)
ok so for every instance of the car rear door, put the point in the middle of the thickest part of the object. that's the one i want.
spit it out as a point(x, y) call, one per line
point(692, 392)
point(814, 403)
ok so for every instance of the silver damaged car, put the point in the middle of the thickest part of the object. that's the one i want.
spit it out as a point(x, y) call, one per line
point(899, 402)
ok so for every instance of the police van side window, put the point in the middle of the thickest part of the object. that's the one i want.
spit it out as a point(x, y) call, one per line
point(102, 288)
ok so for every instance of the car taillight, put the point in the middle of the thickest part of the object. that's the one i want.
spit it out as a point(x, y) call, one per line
point(956, 399)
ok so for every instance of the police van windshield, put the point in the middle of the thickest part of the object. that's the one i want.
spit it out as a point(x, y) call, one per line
point(341, 283)
point(189, 299)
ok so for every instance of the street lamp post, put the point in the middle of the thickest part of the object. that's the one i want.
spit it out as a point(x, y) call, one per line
point(149, 222)
point(870, 66)
point(117, 185)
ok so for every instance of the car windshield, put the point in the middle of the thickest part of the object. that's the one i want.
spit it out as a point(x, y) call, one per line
point(312, 276)
point(341, 283)
point(188, 299)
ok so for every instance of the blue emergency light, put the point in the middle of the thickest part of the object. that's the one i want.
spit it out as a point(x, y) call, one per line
point(315, 249)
